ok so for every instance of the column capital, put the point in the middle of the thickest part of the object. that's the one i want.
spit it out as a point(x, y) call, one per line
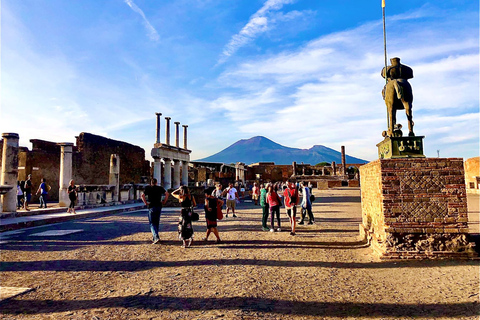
point(10, 135)
point(158, 114)
point(185, 125)
point(168, 118)
point(177, 122)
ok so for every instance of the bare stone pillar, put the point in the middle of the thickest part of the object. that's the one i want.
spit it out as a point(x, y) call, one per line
point(157, 139)
point(184, 173)
point(157, 170)
point(167, 131)
point(65, 173)
point(114, 176)
point(344, 163)
point(177, 134)
point(184, 136)
point(9, 177)
point(294, 168)
point(167, 184)
point(176, 173)
point(334, 167)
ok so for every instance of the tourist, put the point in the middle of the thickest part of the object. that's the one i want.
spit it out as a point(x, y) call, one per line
point(43, 191)
point(27, 192)
point(185, 227)
point(217, 192)
point(264, 205)
point(211, 204)
point(152, 197)
point(291, 199)
point(306, 205)
point(255, 193)
point(274, 202)
point(232, 197)
point(19, 195)
point(72, 195)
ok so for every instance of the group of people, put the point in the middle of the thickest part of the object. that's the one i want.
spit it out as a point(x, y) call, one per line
point(269, 196)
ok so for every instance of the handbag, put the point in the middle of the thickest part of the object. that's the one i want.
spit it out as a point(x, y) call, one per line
point(193, 215)
point(219, 211)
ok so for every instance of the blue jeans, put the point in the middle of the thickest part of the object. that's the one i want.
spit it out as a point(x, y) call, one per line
point(43, 200)
point(154, 220)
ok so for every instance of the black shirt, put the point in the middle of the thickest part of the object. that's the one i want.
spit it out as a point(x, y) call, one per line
point(153, 194)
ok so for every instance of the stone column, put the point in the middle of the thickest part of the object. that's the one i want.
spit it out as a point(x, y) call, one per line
point(167, 183)
point(184, 136)
point(114, 176)
point(157, 139)
point(65, 173)
point(177, 134)
point(184, 173)
point(294, 168)
point(9, 171)
point(157, 170)
point(334, 167)
point(344, 163)
point(176, 174)
point(167, 131)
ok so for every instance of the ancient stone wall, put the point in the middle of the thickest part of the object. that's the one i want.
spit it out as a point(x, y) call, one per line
point(472, 175)
point(415, 208)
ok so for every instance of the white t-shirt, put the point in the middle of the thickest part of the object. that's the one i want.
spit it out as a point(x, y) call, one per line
point(231, 193)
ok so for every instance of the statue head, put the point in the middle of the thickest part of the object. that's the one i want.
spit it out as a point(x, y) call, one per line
point(395, 61)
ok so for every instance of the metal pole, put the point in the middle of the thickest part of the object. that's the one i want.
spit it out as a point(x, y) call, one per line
point(385, 53)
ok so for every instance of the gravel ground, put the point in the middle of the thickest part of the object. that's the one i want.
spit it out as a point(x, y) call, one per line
point(323, 272)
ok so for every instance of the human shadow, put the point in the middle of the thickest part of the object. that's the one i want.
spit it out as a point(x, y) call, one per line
point(247, 304)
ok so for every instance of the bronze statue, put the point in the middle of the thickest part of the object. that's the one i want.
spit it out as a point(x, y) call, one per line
point(398, 95)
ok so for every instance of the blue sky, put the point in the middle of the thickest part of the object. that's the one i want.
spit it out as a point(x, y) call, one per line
point(300, 72)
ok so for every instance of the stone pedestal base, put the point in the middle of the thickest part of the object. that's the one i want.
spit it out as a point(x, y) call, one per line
point(415, 208)
point(401, 147)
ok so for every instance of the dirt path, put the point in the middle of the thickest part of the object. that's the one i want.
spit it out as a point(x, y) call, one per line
point(324, 272)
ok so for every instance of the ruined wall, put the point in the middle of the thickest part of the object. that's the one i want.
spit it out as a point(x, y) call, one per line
point(269, 172)
point(92, 163)
point(415, 208)
point(472, 175)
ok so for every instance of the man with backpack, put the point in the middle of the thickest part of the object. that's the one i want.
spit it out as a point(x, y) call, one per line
point(307, 205)
point(291, 200)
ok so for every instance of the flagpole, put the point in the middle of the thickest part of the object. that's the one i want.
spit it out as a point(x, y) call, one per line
point(385, 53)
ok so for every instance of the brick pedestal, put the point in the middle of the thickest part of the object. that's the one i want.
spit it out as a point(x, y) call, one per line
point(415, 208)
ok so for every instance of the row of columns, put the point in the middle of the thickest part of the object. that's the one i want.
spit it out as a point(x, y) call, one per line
point(178, 179)
point(167, 132)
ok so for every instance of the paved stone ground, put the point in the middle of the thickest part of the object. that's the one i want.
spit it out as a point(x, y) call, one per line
point(324, 272)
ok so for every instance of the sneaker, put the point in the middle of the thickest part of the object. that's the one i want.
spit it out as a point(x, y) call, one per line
point(271, 230)
point(301, 222)
point(278, 229)
point(155, 241)
point(234, 215)
point(265, 229)
point(226, 216)
point(292, 233)
point(311, 222)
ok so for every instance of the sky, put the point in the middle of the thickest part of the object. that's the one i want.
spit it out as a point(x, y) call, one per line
point(299, 72)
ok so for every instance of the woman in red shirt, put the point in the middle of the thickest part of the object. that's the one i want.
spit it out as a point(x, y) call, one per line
point(274, 203)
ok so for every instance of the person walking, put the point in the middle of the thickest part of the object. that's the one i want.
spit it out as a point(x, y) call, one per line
point(255, 193)
point(19, 195)
point(152, 197)
point(232, 197)
point(211, 204)
point(264, 205)
point(291, 199)
point(72, 195)
point(185, 227)
point(274, 202)
point(27, 192)
point(306, 205)
point(43, 191)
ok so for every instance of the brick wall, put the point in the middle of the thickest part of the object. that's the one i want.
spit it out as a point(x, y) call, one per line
point(415, 207)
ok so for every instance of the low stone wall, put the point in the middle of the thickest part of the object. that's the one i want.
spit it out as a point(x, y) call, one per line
point(415, 208)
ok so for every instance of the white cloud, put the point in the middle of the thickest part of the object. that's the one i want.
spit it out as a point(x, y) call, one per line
point(152, 33)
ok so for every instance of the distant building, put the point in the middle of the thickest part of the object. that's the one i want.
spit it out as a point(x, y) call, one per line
point(472, 175)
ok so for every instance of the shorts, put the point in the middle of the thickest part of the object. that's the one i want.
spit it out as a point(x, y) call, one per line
point(292, 212)
point(231, 204)
point(255, 196)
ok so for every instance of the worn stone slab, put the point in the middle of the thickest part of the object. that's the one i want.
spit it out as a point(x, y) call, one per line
point(10, 292)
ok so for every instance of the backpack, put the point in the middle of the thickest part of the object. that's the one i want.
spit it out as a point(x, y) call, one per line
point(312, 198)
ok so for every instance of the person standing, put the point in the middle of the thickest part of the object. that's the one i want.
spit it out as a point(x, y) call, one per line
point(255, 193)
point(152, 198)
point(72, 195)
point(264, 205)
point(306, 205)
point(291, 199)
point(19, 195)
point(211, 204)
point(185, 227)
point(232, 197)
point(274, 202)
point(27, 192)
point(43, 191)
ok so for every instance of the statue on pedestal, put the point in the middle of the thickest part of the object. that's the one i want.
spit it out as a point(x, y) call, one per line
point(398, 95)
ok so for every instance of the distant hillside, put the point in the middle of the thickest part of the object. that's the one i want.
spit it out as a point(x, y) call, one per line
point(261, 149)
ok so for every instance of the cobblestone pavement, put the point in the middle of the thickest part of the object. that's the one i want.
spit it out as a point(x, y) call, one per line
point(110, 270)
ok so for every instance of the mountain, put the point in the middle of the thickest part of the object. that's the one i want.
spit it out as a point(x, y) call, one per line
point(261, 149)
